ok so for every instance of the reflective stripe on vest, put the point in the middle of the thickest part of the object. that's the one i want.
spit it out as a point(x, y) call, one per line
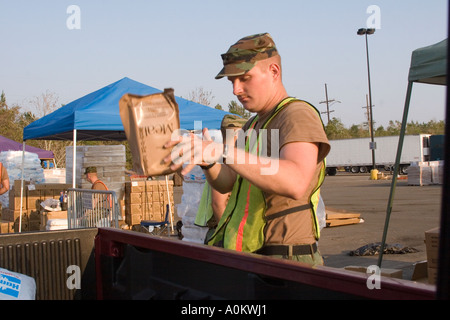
point(242, 224)
point(106, 188)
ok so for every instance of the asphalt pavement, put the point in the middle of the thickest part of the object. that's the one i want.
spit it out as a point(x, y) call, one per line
point(415, 209)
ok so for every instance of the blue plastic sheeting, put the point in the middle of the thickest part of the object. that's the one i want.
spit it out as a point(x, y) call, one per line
point(96, 115)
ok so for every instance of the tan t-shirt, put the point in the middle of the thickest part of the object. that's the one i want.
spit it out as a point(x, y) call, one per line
point(99, 185)
point(297, 122)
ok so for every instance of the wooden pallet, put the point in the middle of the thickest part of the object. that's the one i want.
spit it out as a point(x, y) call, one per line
point(338, 217)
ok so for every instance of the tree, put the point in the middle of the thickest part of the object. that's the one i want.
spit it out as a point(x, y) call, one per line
point(380, 132)
point(9, 117)
point(358, 131)
point(335, 129)
point(236, 108)
point(45, 104)
point(393, 128)
point(201, 96)
point(3, 101)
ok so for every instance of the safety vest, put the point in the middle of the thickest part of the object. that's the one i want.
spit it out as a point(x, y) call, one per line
point(242, 224)
point(204, 211)
point(106, 188)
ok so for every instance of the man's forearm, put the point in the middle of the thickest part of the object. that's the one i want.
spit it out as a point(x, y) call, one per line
point(220, 177)
point(289, 175)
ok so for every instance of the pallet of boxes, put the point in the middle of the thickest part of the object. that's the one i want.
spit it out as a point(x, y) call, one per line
point(425, 173)
point(34, 216)
point(148, 200)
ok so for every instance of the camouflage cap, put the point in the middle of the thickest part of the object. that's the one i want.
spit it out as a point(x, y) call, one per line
point(244, 54)
point(231, 121)
point(90, 170)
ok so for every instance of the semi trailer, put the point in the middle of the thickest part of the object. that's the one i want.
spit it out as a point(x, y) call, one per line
point(355, 155)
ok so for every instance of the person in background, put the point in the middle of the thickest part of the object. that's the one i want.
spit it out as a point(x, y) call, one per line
point(213, 203)
point(4, 179)
point(92, 177)
point(97, 184)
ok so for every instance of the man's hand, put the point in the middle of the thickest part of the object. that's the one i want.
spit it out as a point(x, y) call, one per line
point(192, 150)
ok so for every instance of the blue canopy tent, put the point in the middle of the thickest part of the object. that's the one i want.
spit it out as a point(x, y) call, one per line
point(96, 115)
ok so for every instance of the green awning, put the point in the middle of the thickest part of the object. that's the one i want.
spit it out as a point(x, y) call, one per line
point(429, 64)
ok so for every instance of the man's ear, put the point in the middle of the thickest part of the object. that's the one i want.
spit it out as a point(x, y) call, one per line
point(275, 70)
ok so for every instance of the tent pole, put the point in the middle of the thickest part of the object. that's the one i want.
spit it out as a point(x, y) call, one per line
point(396, 170)
point(170, 205)
point(21, 187)
point(74, 160)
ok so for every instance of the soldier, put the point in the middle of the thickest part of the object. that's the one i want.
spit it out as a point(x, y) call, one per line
point(91, 176)
point(270, 212)
point(97, 184)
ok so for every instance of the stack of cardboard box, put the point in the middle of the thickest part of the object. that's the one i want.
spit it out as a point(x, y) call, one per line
point(432, 245)
point(425, 173)
point(419, 174)
point(147, 200)
point(34, 216)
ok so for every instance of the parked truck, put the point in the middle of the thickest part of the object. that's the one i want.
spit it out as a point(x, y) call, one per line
point(355, 155)
point(115, 264)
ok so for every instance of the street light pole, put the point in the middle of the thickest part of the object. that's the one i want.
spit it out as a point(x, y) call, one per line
point(366, 32)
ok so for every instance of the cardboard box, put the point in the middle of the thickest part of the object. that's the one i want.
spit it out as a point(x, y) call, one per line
point(6, 227)
point(12, 215)
point(143, 209)
point(14, 200)
point(49, 215)
point(25, 224)
point(432, 275)
point(420, 271)
point(432, 247)
point(147, 200)
point(148, 186)
point(138, 197)
point(34, 194)
point(133, 219)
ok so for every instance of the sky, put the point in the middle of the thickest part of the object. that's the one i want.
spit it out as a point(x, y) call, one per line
point(46, 46)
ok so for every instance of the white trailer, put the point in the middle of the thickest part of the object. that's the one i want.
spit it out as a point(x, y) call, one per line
point(355, 155)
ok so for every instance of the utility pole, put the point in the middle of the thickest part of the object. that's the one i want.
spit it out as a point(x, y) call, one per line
point(328, 103)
